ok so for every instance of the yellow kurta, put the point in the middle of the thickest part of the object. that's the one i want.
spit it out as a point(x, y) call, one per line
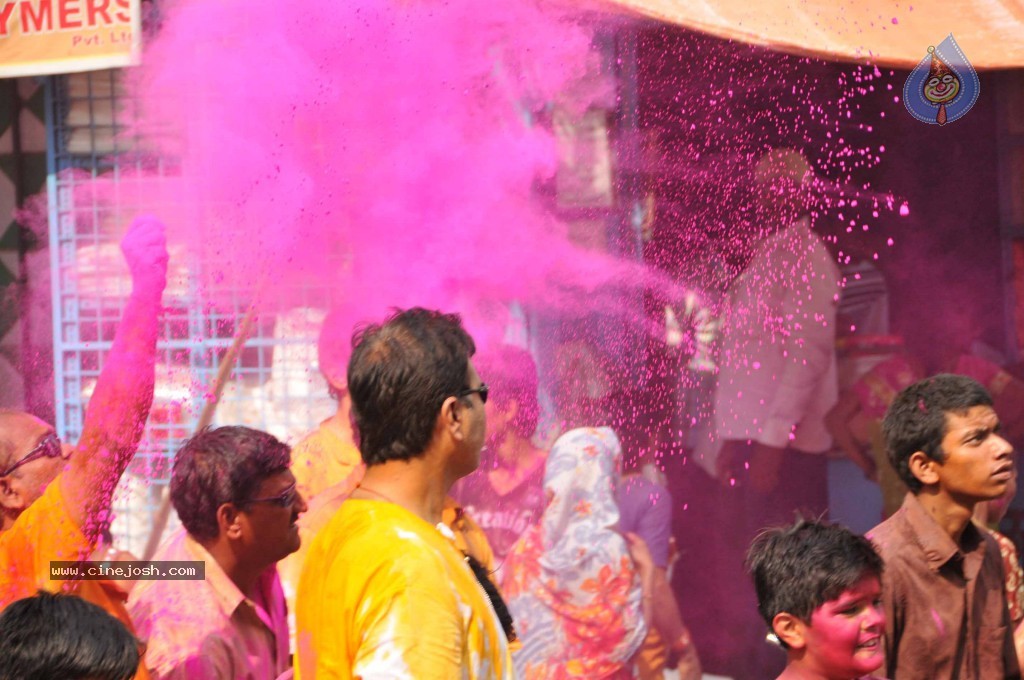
point(384, 593)
point(326, 457)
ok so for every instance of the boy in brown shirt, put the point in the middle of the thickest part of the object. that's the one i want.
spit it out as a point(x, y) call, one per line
point(943, 589)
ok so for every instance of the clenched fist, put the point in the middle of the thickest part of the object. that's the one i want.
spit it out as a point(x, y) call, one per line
point(145, 250)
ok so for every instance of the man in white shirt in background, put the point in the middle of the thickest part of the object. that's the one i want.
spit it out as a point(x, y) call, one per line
point(777, 365)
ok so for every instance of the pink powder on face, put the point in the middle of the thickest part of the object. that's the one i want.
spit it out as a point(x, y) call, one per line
point(844, 635)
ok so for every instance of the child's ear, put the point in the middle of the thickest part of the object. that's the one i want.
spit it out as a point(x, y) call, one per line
point(790, 630)
point(924, 468)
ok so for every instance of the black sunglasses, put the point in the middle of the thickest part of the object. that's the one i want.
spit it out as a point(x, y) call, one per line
point(284, 499)
point(48, 447)
point(482, 391)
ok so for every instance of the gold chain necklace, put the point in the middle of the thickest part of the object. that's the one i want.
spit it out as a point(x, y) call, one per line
point(378, 494)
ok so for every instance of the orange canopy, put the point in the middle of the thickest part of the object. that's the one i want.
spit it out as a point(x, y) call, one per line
point(883, 32)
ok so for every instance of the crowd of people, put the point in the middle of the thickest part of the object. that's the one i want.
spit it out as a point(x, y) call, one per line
point(423, 531)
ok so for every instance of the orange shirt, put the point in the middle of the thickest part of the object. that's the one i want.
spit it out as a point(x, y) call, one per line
point(45, 532)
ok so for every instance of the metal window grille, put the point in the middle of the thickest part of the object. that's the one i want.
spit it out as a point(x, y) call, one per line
point(275, 385)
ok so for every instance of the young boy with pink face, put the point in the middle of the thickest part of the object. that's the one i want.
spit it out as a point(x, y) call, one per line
point(819, 590)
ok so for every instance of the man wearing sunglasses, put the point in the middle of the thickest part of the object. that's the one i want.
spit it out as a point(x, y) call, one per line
point(238, 505)
point(55, 498)
point(328, 466)
point(384, 591)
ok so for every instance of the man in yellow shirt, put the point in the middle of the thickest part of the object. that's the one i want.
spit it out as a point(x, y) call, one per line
point(327, 456)
point(54, 498)
point(385, 591)
point(328, 466)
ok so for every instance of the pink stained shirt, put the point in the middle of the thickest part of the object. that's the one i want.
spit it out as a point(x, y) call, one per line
point(199, 630)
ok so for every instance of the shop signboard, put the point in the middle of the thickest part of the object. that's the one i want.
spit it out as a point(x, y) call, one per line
point(42, 37)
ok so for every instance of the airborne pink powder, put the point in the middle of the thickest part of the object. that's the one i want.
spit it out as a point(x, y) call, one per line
point(380, 148)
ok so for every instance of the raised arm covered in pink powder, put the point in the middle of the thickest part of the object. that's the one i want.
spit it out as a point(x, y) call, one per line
point(121, 402)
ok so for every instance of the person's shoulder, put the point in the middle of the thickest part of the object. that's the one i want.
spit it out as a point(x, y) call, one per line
point(51, 508)
point(151, 595)
point(45, 530)
point(309, 439)
point(316, 443)
point(825, 265)
point(890, 535)
point(371, 533)
point(992, 558)
point(173, 549)
point(638, 486)
point(348, 528)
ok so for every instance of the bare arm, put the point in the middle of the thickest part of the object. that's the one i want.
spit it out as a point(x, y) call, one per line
point(667, 618)
point(119, 406)
point(645, 566)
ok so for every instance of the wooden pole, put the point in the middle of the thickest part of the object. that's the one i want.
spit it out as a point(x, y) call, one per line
point(227, 365)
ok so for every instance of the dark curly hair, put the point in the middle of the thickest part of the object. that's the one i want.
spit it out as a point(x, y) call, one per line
point(400, 373)
point(916, 419)
point(222, 465)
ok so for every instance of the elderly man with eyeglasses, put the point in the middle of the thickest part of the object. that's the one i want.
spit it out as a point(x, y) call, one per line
point(238, 504)
point(55, 498)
